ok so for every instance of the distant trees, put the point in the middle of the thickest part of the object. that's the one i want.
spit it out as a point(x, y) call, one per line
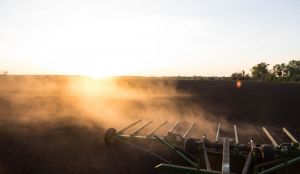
point(279, 72)
point(293, 70)
point(240, 76)
point(260, 71)
point(284, 72)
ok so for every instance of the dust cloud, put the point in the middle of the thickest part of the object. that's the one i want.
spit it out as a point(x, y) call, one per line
point(45, 101)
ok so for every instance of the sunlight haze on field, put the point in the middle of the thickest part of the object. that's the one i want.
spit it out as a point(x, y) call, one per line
point(148, 38)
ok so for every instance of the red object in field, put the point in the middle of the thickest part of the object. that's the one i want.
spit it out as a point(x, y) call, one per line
point(238, 84)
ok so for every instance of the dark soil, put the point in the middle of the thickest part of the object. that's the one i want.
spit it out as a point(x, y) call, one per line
point(63, 145)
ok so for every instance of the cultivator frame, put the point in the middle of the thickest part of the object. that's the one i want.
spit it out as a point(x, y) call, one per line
point(259, 158)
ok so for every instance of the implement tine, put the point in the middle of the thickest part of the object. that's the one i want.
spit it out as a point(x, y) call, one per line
point(140, 128)
point(207, 163)
point(226, 156)
point(189, 130)
point(249, 158)
point(248, 162)
point(236, 135)
point(218, 132)
point(129, 126)
point(175, 126)
point(156, 129)
point(288, 133)
point(270, 136)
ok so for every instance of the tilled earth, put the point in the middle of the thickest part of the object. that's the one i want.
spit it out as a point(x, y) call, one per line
point(64, 145)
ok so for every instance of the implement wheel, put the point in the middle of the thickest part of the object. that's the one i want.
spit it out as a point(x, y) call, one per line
point(109, 137)
point(267, 152)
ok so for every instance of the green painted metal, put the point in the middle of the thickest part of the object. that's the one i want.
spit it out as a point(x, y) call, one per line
point(248, 162)
point(226, 156)
point(172, 140)
point(182, 169)
point(176, 151)
point(280, 166)
point(207, 163)
point(261, 166)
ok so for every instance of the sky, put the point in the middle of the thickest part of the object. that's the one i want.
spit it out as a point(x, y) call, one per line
point(146, 37)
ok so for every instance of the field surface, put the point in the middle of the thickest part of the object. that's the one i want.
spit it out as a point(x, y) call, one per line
point(47, 128)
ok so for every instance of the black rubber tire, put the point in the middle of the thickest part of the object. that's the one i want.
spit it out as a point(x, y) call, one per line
point(267, 152)
point(190, 146)
point(109, 137)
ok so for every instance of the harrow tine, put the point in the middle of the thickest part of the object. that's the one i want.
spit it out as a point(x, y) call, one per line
point(249, 158)
point(174, 127)
point(140, 128)
point(189, 130)
point(129, 126)
point(156, 129)
point(236, 135)
point(207, 164)
point(274, 143)
point(226, 156)
point(248, 162)
point(218, 132)
point(288, 133)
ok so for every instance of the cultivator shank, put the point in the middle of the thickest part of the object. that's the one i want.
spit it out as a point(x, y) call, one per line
point(198, 153)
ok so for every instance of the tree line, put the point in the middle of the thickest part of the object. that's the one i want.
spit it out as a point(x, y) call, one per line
point(289, 72)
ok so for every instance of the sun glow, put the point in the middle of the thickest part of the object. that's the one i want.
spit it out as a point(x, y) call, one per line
point(92, 67)
point(146, 38)
point(97, 53)
point(103, 43)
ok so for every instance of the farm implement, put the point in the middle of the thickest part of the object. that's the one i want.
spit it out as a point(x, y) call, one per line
point(221, 155)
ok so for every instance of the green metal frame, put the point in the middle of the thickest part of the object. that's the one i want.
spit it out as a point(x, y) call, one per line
point(277, 167)
point(183, 169)
point(286, 154)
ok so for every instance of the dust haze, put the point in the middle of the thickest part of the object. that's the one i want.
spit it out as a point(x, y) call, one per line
point(46, 101)
point(56, 124)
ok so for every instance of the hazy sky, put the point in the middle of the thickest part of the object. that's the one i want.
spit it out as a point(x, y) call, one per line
point(153, 37)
